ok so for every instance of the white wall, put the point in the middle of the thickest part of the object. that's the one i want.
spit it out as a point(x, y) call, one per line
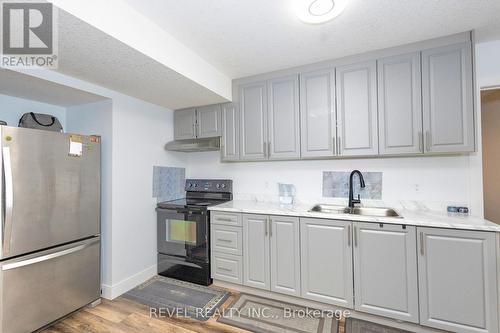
point(96, 119)
point(140, 131)
point(12, 109)
point(434, 181)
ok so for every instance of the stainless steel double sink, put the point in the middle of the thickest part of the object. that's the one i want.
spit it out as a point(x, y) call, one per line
point(363, 211)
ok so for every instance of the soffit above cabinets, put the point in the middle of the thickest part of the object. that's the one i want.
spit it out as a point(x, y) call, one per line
point(89, 54)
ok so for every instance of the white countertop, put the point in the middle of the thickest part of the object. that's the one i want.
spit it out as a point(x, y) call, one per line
point(415, 218)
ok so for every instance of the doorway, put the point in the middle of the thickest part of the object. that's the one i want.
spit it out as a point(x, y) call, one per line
point(490, 122)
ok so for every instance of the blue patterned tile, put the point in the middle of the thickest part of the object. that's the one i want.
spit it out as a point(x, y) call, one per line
point(168, 183)
point(336, 185)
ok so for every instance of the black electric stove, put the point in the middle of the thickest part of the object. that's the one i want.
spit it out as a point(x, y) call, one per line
point(184, 230)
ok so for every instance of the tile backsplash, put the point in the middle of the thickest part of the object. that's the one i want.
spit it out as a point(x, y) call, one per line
point(168, 183)
point(336, 185)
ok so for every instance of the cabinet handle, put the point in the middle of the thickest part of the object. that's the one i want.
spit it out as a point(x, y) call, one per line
point(269, 149)
point(265, 149)
point(270, 227)
point(224, 219)
point(266, 227)
point(349, 235)
point(224, 269)
point(420, 142)
point(428, 139)
point(224, 240)
point(194, 130)
point(422, 244)
point(339, 151)
point(355, 236)
point(334, 144)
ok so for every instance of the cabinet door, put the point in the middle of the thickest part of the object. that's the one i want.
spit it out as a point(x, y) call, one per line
point(208, 121)
point(385, 270)
point(253, 121)
point(357, 109)
point(256, 251)
point(458, 280)
point(185, 124)
point(400, 105)
point(448, 99)
point(285, 255)
point(230, 144)
point(326, 261)
point(283, 120)
point(317, 113)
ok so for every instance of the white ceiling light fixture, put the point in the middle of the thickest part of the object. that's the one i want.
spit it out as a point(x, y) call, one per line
point(319, 11)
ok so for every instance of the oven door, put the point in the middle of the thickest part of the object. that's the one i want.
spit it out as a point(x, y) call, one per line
point(183, 233)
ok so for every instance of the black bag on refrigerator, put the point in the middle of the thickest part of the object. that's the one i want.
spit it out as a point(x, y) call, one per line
point(40, 121)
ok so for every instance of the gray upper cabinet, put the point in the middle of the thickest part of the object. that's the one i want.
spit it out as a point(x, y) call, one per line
point(185, 124)
point(326, 261)
point(357, 109)
point(400, 105)
point(457, 280)
point(283, 119)
point(208, 120)
point(448, 99)
point(285, 255)
point(256, 255)
point(253, 121)
point(230, 144)
point(317, 112)
point(385, 270)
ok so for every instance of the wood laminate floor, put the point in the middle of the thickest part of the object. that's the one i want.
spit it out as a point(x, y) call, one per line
point(125, 316)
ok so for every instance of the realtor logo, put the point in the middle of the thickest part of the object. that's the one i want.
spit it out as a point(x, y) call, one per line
point(28, 35)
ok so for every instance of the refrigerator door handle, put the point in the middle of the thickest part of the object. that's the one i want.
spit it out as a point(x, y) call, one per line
point(31, 261)
point(9, 200)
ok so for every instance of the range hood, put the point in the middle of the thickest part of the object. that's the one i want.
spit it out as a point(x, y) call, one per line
point(194, 145)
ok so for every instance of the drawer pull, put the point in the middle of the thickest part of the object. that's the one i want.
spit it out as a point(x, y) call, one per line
point(224, 269)
point(224, 240)
point(225, 219)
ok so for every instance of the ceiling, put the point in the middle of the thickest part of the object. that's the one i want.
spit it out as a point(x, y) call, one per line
point(89, 54)
point(248, 37)
point(20, 85)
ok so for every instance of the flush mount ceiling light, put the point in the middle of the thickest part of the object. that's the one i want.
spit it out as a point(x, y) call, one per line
point(319, 11)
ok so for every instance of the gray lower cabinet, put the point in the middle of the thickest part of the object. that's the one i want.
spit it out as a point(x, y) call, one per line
point(317, 113)
point(400, 105)
point(285, 255)
point(283, 118)
point(185, 124)
point(385, 270)
point(457, 280)
point(256, 253)
point(326, 261)
point(447, 93)
point(253, 121)
point(208, 121)
point(357, 122)
point(227, 267)
point(230, 144)
point(271, 257)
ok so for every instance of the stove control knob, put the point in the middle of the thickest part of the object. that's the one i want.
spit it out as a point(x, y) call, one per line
point(223, 185)
point(218, 186)
point(190, 185)
point(195, 185)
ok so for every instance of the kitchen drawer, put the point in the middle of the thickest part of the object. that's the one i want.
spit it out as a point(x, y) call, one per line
point(233, 219)
point(227, 239)
point(227, 267)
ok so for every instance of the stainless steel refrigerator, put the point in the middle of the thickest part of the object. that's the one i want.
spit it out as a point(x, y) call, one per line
point(50, 226)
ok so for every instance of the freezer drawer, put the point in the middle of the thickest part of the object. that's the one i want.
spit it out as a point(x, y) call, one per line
point(38, 289)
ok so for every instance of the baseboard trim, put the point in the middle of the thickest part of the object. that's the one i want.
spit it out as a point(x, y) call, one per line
point(114, 291)
point(322, 306)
